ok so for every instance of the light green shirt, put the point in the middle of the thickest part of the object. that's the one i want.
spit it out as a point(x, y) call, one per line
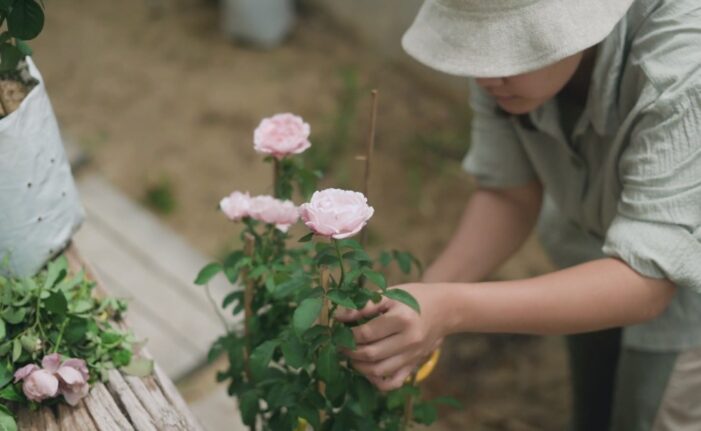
point(626, 182)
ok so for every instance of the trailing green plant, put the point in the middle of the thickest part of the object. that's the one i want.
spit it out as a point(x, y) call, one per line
point(55, 315)
point(21, 20)
point(286, 364)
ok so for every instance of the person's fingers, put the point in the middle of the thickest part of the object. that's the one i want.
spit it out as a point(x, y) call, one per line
point(377, 329)
point(371, 309)
point(386, 347)
point(384, 368)
point(394, 382)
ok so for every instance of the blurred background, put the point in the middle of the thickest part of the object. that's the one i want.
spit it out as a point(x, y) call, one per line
point(160, 99)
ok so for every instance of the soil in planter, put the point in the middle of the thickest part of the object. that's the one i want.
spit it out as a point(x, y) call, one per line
point(169, 99)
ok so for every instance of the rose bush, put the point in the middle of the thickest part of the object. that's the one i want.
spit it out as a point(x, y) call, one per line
point(286, 364)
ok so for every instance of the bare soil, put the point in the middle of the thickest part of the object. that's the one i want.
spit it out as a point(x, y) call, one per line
point(156, 95)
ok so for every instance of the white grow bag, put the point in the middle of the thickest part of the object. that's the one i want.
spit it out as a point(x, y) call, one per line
point(39, 205)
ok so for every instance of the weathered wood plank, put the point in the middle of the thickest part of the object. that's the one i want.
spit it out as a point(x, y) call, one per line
point(75, 418)
point(105, 411)
point(136, 411)
point(173, 396)
point(161, 411)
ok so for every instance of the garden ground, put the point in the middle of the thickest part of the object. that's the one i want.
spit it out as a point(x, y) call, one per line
point(165, 108)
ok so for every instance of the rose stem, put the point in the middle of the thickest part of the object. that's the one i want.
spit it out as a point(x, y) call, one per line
point(324, 318)
point(409, 406)
point(368, 154)
point(247, 303)
point(276, 177)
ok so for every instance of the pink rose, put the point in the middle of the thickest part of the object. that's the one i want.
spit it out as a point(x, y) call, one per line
point(73, 380)
point(336, 213)
point(69, 379)
point(37, 384)
point(236, 205)
point(281, 135)
point(267, 209)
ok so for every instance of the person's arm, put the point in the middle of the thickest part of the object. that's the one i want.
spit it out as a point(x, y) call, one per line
point(493, 226)
point(595, 295)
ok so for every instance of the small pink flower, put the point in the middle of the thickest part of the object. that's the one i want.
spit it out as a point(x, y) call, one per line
point(282, 214)
point(282, 135)
point(37, 384)
point(336, 213)
point(69, 379)
point(73, 380)
point(236, 205)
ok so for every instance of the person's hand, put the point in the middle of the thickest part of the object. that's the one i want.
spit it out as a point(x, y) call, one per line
point(398, 338)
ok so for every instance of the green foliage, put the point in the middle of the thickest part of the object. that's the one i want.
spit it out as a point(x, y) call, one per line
point(53, 312)
point(25, 20)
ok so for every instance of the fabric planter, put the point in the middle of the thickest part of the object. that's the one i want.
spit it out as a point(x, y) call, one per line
point(39, 205)
point(263, 23)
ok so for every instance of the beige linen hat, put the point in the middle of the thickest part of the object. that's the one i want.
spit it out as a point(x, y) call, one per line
point(495, 38)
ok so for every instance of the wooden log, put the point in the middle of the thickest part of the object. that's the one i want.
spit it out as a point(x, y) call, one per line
point(75, 418)
point(104, 410)
point(161, 411)
point(171, 393)
point(137, 413)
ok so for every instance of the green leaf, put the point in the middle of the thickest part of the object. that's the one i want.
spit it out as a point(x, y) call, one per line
point(376, 278)
point(327, 365)
point(448, 401)
point(10, 56)
point(341, 298)
point(207, 273)
point(57, 303)
point(310, 414)
point(248, 404)
point(306, 238)
point(404, 297)
point(343, 337)
point(6, 375)
point(7, 420)
point(16, 349)
point(294, 352)
point(26, 19)
point(425, 414)
point(3, 330)
point(139, 367)
point(305, 314)
point(14, 316)
point(24, 47)
point(11, 393)
point(366, 394)
point(385, 258)
point(403, 260)
point(261, 357)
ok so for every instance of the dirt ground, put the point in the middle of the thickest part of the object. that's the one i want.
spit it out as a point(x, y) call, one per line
point(159, 99)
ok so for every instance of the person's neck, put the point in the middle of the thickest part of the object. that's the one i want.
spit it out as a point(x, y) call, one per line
point(577, 89)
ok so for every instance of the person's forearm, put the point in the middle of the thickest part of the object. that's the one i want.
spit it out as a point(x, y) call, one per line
point(493, 226)
point(600, 294)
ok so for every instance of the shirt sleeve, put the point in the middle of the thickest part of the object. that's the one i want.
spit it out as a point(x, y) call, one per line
point(496, 157)
point(657, 229)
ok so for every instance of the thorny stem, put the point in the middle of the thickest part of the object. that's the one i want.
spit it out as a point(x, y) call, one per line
point(60, 336)
point(340, 261)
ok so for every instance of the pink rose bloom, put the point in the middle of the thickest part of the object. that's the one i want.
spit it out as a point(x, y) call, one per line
point(69, 379)
point(37, 384)
point(282, 135)
point(73, 380)
point(336, 213)
point(236, 205)
point(282, 214)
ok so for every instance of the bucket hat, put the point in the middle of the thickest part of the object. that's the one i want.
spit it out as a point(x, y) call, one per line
point(496, 38)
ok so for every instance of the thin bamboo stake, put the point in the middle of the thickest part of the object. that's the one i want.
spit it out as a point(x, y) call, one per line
point(368, 154)
point(247, 304)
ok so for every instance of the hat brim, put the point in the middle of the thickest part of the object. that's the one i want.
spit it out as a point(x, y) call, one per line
point(507, 38)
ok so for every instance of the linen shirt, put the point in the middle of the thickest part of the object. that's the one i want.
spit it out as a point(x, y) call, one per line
point(625, 180)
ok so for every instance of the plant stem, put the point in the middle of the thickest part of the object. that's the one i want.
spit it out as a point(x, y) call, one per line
point(60, 335)
point(368, 154)
point(340, 261)
point(276, 177)
point(409, 406)
point(247, 304)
